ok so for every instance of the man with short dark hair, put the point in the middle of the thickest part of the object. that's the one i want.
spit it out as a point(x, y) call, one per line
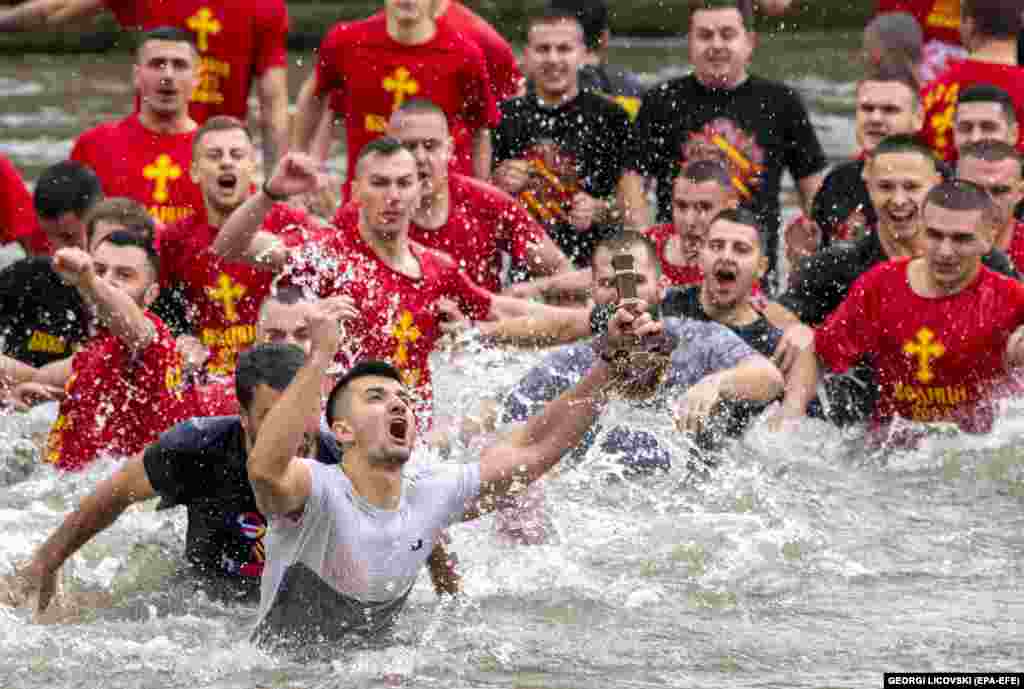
point(42, 319)
point(560, 149)
point(984, 113)
point(146, 156)
point(939, 348)
point(758, 128)
point(995, 166)
point(989, 28)
point(199, 464)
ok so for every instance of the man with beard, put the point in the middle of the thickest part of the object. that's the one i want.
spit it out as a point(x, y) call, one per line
point(758, 128)
point(559, 150)
point(887, 104)
point(345, 547)
point(146, 156)
point(468, 219)
point(222, 297)
point(995, 166)
point(942, 329)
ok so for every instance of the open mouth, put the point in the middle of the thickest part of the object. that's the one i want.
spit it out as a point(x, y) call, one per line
point(397, 429)
point(726, 277)
point(902, 215)
point(227, 182)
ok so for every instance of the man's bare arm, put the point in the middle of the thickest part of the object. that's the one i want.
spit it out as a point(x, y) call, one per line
point(556, 325)
point(545, 258)
point(309, 111)
point(636, 214)
point(272, 89)
point(41, 14)
point(483, 153)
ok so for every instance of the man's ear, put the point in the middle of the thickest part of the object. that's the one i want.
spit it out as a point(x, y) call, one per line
point(151, 293)
point(762, 267)
point(343, 432)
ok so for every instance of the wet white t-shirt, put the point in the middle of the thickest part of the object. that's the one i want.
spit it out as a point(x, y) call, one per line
point(343, 566)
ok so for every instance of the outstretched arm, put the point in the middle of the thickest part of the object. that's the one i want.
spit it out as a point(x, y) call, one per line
point(241, 239)
point(272, 89)
point(96, 512)
point(554, 325)
point(280, 480)
point(42, 14)
point(309, 112)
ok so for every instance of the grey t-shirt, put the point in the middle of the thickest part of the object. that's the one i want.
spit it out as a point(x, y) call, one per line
point(701, 348)
point(343, 566)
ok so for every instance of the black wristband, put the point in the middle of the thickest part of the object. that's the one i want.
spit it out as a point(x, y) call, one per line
point(276, 198)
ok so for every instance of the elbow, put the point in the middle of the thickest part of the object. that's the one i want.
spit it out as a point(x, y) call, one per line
point(775, 382)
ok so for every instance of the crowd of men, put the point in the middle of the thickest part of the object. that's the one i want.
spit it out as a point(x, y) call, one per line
point(169, 280)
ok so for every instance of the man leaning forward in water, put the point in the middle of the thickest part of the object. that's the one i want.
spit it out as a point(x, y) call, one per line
point(345, 544)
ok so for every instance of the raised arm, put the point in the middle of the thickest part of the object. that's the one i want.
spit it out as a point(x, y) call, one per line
point(272, 89)
point(241, 239)
point(632, 195)
point(572, 284)
point(42, 14)
point(113, 307)
point(754, 379)
point(280, 480)
point(96, 512)
point(555, 325)
point(309, 112)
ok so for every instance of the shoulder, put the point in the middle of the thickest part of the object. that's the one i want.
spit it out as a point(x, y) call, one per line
point(345, 34)
point(200, 434)
point(780, 92)
point(602, 106)
point(478, 193)
point(459, 41)
point(516, 107)
point(102, 131)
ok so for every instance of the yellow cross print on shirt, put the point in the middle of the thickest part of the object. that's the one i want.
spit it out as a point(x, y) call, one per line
point(402, 85)
point(227, 293)
point(925, 348)
point(405, 331)
point(203, 23)
point(162, 170)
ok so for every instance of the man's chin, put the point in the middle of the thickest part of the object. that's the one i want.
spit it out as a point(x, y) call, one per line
point(396, 457)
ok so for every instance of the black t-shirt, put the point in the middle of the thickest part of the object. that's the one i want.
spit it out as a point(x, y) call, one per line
point(684, 302)
point(823, 280)
point(841, 194)
point(758, 129)
point(578, 146)
point(201, 464)
point(42, 318)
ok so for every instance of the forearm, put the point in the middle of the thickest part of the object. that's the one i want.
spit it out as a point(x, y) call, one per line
point(808, 188)
point(573, 284)
point(633, 201)
point(119, 313)
point(235, 239)
point(556, 326)
point(483, 154)
point(545, 258)
point(14, 372)
point(801, 385)
point(755, 379)
point(273, 92)
point(309, 110)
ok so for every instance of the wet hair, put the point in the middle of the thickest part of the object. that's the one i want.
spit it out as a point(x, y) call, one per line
point(701, 171)
point(992, 152)
point(218, 123)
point(370, 367)
point(420, 106)
point(67, 187)
point(553, 13)
point(961, 195)
point(626, 240)
point(273, 364)
point(744, 7)
point(289, 295)
point(171, 34)
point(900, 37)
point(592, 16)
point(896, 74)
point(129, 214)
point(386, 146)
point(993, 18)
point(743, 216)
point(122, 238)
point(987, 93)
point(903, 143)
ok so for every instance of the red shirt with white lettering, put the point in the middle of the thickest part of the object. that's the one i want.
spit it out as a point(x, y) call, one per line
point(936, 359)
point(371, 75)
point(142, 165)
point(940, 98)
point(223, 297)
point(939, 19)
point(238, 41)
point(399, 317)
point(483, 221)
point(17, 214)
point(117, 401)
point(678, 276)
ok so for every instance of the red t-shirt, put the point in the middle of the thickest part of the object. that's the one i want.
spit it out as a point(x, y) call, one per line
point(941, 95)
point(939, 19)
point(483, 222)
point(372, 75)
point(506, 79)
point(150, 168)
point(1016, 249)
point(678, 276)
point(937, 359)
point(399, 318)
point(117, 401)
point(238, 40)
point(17, 214)
point(224, 297)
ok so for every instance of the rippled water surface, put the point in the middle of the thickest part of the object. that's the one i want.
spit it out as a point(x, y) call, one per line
point(801, 562)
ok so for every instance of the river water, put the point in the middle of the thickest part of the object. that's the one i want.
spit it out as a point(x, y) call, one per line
point(801, 562)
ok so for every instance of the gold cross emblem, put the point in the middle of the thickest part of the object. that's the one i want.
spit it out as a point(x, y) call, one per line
point(161, 171)
point(405, 332)
point(401, 84)
point(203, 23)
point(925, 348)
point(227, 293)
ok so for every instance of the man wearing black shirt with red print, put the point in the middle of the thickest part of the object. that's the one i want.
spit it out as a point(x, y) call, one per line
point(560, 150)
point(757, 127)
